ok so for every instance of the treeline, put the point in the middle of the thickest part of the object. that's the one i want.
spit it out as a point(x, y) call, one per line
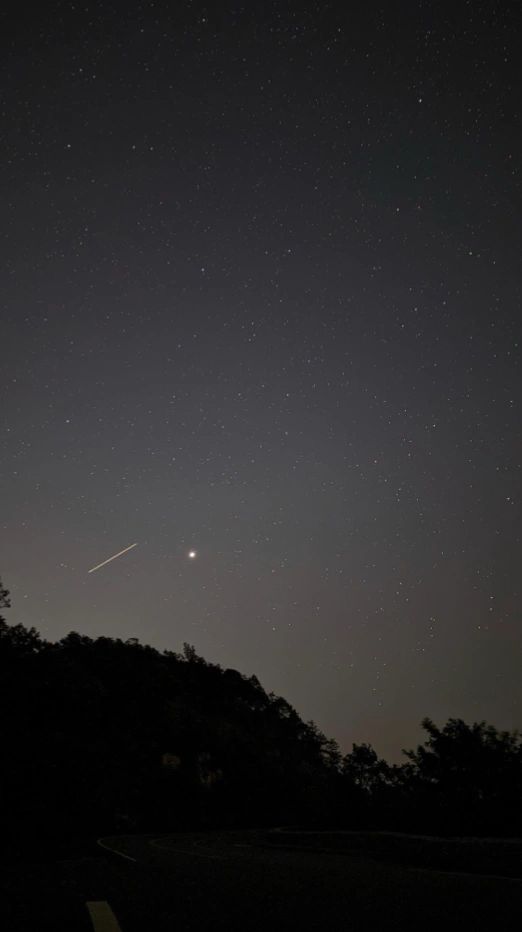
point(104, 735)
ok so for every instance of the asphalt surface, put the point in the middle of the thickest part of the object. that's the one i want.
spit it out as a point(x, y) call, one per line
point(252, 881)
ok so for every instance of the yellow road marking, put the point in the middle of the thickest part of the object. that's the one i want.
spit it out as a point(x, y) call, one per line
point(102, 917)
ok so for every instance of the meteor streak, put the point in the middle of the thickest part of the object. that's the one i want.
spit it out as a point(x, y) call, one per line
point(99, 565)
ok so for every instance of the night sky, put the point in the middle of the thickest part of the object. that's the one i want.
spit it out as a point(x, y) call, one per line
point(260, 301)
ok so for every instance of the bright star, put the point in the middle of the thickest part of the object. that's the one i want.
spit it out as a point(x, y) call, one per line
point(192, 554)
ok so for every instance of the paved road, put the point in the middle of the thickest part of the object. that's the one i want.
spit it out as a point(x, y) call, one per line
point(236, 881)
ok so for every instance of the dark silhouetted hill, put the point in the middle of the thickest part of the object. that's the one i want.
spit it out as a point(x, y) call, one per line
point(102, 735)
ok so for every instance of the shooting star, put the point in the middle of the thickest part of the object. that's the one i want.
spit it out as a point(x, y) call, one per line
point(99, 565)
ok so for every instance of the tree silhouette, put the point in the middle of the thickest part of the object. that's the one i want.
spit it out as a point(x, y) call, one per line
point(468, 776)
point(5, 602)
point(15, 640)
point(101, 735)
point(94, 725)
point(364, 769)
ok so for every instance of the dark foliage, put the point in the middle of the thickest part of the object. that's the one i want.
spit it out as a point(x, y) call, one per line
point(103, 735)
point(464, 780)
point(107, 735)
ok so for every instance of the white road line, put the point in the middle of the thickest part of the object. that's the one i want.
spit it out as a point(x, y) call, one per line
point(115, 851)
point(102, 916)
point(440, 870)
point(199, 854)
